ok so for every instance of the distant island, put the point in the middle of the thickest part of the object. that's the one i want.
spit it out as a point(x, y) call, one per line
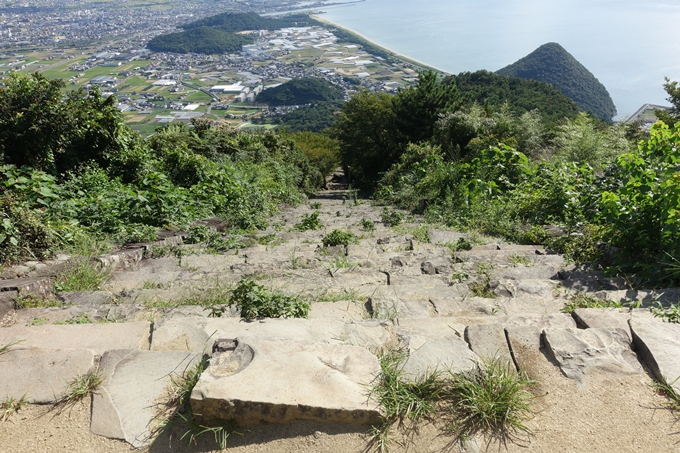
point(551, 63)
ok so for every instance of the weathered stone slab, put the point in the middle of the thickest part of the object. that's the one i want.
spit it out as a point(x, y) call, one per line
point(524, 335)
point(198, 334)
point(346, 309)
point(615, 318)
point(97, 337)
point(86, 297)
point(39, 286)
point(122, 259)
point(136, 382)
point(578, 351)
point(279, 381)
point(41, 375)
point(487, 341)
point(440, 354)
point(444, 237)
point(7, 302)
point(658, 345)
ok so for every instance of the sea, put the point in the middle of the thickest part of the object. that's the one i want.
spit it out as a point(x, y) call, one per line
point(629, 45)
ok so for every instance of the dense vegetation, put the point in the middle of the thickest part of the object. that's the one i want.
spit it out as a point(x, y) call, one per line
point(347, 36)
point(300, 92)
point(235, 22)
point(521, 95)
point(71, 171)
point(316, 117)
point(551, 63)
point(498, 171)
point(205, 40)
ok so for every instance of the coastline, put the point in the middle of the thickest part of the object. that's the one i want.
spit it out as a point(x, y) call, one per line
point(396, 54)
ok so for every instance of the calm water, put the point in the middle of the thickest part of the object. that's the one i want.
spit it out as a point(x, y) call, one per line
point(629, 45)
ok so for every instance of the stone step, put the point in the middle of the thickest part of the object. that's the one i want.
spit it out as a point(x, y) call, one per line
point(255, 380)
point(131, 400)
point(579, 352)
point(96, 337)
point(658, 345)
point(194, 334)
point(41, 375)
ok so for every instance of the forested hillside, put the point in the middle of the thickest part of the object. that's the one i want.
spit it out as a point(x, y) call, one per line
point(217, 34)
point(521, 95)
point(551, 63)
point(235, 22)
point(205, 40)
point(301, 91)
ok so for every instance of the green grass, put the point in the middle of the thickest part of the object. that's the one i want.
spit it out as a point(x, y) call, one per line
point(668, 314)
point(5, 348)
point(583, 300)
point(33, 301)
point(519, 259)
point(177, 418)
point(82, 386)
point(10, 407)
point(402, 401)
point(216, 295)
point(494, 400)
point(83, 275)
point(666, 389)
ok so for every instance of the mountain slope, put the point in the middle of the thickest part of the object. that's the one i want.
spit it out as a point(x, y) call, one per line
point(301, 91)
point(551, 63)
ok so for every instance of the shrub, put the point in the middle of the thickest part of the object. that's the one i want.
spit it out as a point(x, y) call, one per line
point(24, 232)
point(255, 301)
point(391, 217)
point(309, 222)
point(367, 225)
point(339, 237)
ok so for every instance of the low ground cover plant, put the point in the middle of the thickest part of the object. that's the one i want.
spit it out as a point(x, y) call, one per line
point(339, 237)
point(309, 222)
point(255, 301)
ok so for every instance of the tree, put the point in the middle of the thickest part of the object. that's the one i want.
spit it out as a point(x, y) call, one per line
point(581, 140)
point(672, 115)
point(368, 135)
point(45, 129)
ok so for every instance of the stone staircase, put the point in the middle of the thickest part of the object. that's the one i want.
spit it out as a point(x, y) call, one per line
point(391, 290)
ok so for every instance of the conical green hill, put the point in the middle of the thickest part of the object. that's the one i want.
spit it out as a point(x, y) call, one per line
point(551, 63)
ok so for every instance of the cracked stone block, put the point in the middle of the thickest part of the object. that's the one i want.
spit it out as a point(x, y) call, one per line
point(280, 380)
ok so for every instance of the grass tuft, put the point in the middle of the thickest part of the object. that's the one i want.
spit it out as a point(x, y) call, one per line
point(82, 386)
point(493, 399)
point(583, 300)
point(178, 418)
point(5, 348)
point(10, 407)
point(83, 275)
point(665, 388)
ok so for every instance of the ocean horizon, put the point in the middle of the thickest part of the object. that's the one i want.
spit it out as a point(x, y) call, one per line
point(628, 46)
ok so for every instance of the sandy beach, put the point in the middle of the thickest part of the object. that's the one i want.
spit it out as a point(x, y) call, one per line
point(397, 54)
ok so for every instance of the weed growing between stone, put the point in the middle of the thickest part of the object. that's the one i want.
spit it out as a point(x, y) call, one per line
point(492, 400)
point(583, 300)
point(403, 402)
point(519, 259)
point(33, 301)
point(214, 295)
point(367, 225)
point(482, 286)
point(83, 275)
point(391, 218)
point(82, 386)
point(5, 348)
point(668, 314)
point(309, 222)
point(177, 417)
point(665, 388)
point(255, 301)
point(339, 237)
point(10, 407)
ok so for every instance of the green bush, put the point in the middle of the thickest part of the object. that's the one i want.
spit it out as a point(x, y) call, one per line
point(309, 222)
point(256, 301)
point(339, 237)
point(390, 217)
